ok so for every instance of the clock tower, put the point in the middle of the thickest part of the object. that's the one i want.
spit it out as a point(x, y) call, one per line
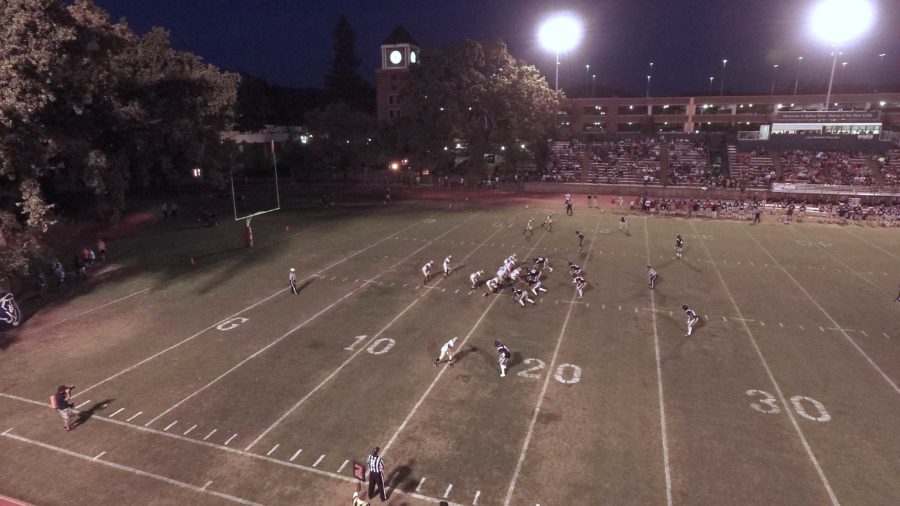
point(398, 52)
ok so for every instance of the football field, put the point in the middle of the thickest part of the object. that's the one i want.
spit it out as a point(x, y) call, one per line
point(211, 383)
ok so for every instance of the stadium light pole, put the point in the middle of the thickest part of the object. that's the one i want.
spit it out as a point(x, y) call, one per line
point(710, 85)
point(722, 90)
point(648, 84)
point(587, 70)
point(774, 76)
point(593, 84)
point(880, 71)
point(559, 33)
point(838, 22)
point(797, 79)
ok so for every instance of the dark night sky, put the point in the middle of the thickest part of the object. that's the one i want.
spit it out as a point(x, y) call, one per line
point(289, 41)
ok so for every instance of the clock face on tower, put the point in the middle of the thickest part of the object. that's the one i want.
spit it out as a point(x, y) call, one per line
point(413, 57)
point(396, 57)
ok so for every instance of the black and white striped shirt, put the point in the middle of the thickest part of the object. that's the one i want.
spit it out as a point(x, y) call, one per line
point(376, 464)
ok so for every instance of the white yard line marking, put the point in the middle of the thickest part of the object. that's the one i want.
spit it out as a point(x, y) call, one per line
point(298, 327)
point(132, 417)
point(475, 501)
point(419, 486)
point(82, 404)
point(273, 449)
point(98, 456)
point(662, 405)
point(318, 460)
point(762, 323)
point(242, 311)
point(801, 327)
point(360, 350)
point(131, 470)
point(865, 355)
point(832, 255)
point(447, 492)
point(863, 239)
point(7, 431)
point(780, 324)
point(343, 466)
point(171, 425)
point(540, 400)
point(787, 409)
point(189, 430)
point(296, 454)
point(87, 311)
point(210, 434)
point(885, 335)
point(229, 439)
point(117, 412)
point(206, 486)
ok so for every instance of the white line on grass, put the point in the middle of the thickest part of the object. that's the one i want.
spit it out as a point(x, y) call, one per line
point(273, 449)
point(787, 409)
point(210, 434)
point(360, 350)
point(82, 404)
point(301, 325)
point(863, 239)
point(229, 439)
point(189, 430)
point(832, 255)
point(827, 315)
point(117, 412)
point(132, 417)
point(242, 311)
point(87, 311)
point(318, 460)
point(343, 466)
point(540, 401)
point(297, 453)
point(659, 382)
point(170, 425)
point(128, 469)
point(440, 373)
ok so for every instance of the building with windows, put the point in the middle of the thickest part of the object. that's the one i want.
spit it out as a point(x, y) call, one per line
point(398, 52)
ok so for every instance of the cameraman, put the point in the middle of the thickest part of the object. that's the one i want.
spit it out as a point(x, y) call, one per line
point(60, 402)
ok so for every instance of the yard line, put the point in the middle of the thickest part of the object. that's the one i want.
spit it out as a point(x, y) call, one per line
point(296, 453)
point(273, 449)
point(229, 439)
point(860, 276)
point(128, 469)
point(242, 311)
point(117, 412)
point(132, 417)
point(87, 311)
point(306, 322)
point(170, 425)
point(98, 456)
point(189, 430)
point(206, 486)
point(419, 486)
point(827, 315)
point(440, 373)
point(447, 492)
point(787, 409)
point(863, 239)
point(316, 464)
point(475, 501)
point(210, 434)
point(360, 350)
point(82, 404)
point(342, 466)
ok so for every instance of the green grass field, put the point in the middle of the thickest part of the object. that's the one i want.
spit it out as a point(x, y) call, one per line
point(210, 383)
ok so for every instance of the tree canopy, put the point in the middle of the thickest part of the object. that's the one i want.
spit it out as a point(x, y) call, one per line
point(88, 107)
point(343, 83)
point(479, 97)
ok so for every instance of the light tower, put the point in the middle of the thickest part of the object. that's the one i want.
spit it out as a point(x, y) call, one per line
point(559, 33)
point(838, 22)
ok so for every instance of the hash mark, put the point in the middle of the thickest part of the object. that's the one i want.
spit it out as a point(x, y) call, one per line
point(171, 425)
point(189, 430)
point(210, 434)
point(319, 460)
point(229, 439)
point(296, 453)
point(134, 416)
point(273, 449)
point(117, 412)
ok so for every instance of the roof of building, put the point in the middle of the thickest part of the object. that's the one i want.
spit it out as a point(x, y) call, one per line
point(399, 36)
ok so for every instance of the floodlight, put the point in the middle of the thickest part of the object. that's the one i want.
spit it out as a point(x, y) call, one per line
point(560, 32)
point(840, 21)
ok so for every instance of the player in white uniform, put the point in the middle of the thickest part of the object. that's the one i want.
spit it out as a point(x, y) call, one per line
point(504, 356)
point(514, 275)
point(548, 222)
point(447, 350)
point(475, 277)
point(679, 246)
point(574, 270)
point(692, 318)
point(426, 271)
point(521, 296)
point(529, 227)
point(651, 273)
point(292, 278)
point(492, 286)
point(623, 224)
point(580, 284)
point(446, 265)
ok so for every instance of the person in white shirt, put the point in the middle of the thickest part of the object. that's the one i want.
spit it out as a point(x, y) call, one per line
point(474, 278)
point(426, 271)
point(447, 350)
point(446, 265)
point(651, 273)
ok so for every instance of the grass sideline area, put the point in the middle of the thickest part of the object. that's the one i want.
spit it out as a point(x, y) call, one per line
point(211, 383)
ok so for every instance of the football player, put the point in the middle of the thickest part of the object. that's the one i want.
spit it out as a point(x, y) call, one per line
point(504, 356)
point(692, 318)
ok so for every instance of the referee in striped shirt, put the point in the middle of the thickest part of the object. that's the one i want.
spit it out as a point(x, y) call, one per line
point(376, 474)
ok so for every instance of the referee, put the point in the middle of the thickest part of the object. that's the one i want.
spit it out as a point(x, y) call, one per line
point(376, 474)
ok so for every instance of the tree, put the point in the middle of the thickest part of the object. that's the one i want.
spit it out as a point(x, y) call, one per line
point(90, 109)
point(342, 138)
point(343, 81)
point(478, 97)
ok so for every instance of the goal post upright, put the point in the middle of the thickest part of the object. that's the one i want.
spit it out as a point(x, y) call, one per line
point(249, 217)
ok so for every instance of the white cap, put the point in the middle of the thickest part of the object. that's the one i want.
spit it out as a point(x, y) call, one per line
point(293, 270)
point(456, 338)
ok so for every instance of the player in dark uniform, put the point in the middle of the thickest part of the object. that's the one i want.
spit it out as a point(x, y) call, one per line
point(574, 270)
point(543, 263)
point(580, 240)
point(521, 296)
point(534, 284)
point(692, 318)
point(679, 246)
point(504, 356)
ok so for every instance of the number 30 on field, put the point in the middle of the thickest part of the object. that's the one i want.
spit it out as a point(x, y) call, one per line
point(768, 404)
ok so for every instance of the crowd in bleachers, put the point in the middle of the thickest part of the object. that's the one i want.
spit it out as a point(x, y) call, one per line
point(826, 167)
point(565, 161)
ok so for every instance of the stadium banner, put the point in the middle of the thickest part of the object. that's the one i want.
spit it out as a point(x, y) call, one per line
point(828, 117)
point(10, 315)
